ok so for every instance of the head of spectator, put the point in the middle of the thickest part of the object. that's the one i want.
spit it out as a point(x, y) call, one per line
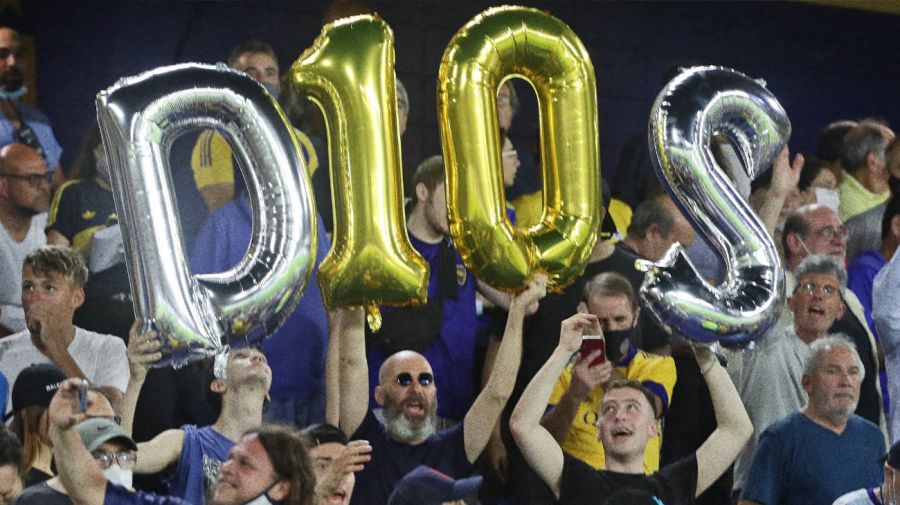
point(113, 449)
point(863, 154)
point(270, 461)
point(402, 107)
point(91, 162)
point(628, 419)
point(817, 300)
point(510, 157)
point(813, 229)
point(507, 105)
point(610, 297)
point(239, 375)
point(257, 59)
point(830, 144)
point(657, 224)
point(407, 393)
point(24, 182)
point(427, 486)
point(832, 376)
point(10, 461)
point(53, 279)
point(326, 444)
point(428, 219)
point(892, 157)
point(817, 184)
point(12, 77)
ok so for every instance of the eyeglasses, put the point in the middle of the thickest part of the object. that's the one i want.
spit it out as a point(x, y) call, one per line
point(33, 179)
point(830, 232)
point(810, 288)
point(125, 459)
point(6, 52)
point(405, 379)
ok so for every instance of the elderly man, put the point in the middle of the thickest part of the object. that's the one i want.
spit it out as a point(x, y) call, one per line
point(863, 157)
point(268, 463)
point(816, 229)
point(407, 390)
point(53, 279)
point(628, 419)
point(21, 123)
point(823, 450)
point(24, 200)
point(770, 378)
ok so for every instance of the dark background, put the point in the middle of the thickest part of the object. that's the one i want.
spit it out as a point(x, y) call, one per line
point(823, 63)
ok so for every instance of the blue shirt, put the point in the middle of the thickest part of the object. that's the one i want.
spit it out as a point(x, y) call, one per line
point(861, 274)
point(40, 125)
point(799, 462)
point(202, 453)
point(450, 355)
point(296, 352)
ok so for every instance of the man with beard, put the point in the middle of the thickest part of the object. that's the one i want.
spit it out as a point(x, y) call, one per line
point(21, 123)
point(407, 390)
point(269, 464)
point(824, 450)
point(24, 200)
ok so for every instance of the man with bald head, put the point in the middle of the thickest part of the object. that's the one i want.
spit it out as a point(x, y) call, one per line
point(407, 391)
point(24, 200)
point(21, 123)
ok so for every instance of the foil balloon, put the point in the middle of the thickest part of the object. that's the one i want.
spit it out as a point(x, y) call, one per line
point(349, 73)
point(199, 315)
point(699, 103)
point(500, 43)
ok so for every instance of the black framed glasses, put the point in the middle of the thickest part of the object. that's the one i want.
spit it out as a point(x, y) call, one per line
point(125, 459)
point(405, 379)
point(33, 179)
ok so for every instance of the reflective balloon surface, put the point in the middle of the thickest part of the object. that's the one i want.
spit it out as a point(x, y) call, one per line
point(349, 73)
point(505, 42)
point(699, 103)
point(196, 316)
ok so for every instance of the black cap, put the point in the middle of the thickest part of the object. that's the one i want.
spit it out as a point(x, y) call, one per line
point(35, 385)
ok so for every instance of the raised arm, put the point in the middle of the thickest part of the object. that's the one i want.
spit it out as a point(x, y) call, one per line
point(785, 176)
point(537, 445)
point(353, 369)
point(584, 379)
point(143, 349)
point(733, 428)
point(79, 473)
point(485, 411)
point(333, 374)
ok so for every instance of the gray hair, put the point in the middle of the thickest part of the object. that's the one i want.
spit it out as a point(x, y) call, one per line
point(867, 137)
point(827, 343)
point(818, 264)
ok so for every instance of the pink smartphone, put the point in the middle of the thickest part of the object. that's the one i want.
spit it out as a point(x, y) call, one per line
point(591, 343)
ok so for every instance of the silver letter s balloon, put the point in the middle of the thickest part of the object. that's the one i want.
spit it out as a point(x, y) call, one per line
point(196, 316)
point(698, 104)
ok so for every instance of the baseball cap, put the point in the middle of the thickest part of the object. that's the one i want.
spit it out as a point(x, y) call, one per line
point(97, 431)
point(427, 486)
point(35, 385)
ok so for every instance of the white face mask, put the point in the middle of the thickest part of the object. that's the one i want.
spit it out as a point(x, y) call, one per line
point(828, 197)
point(118, 475)
point(262, 499)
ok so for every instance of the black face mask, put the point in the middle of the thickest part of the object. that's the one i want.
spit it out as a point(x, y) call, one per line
point(614, 340)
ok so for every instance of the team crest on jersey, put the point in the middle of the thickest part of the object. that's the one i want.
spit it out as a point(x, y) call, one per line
point(88, 215)
point(461, 274)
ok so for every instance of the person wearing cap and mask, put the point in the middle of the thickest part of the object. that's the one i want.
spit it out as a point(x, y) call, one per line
point(241, 379)
point(888, 493)
point(575, 404)
point(114, 452)
point(427, 486)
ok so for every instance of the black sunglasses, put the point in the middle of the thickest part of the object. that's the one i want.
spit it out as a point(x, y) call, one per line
point(405, 379)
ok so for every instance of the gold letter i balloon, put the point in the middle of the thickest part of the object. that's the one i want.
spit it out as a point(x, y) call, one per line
point(349, 73)
point(507, 42)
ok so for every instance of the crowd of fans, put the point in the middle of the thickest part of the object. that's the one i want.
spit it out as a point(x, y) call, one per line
point(477, 396)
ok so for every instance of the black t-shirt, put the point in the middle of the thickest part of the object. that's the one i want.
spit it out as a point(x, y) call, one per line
point(34, 477)
point(42, 494)
point(674, 484)
point(869, 406)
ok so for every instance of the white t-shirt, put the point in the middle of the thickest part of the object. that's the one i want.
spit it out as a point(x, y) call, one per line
point(101, 357)
point(12, 256)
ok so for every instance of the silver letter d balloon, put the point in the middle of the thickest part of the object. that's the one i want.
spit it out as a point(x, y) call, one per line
point(699, 103)
point(199, 315)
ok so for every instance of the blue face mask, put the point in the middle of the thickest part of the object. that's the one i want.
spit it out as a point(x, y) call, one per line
point(14, 94)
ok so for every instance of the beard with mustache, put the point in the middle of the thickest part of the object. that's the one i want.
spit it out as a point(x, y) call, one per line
point(407, 430)
point(12, 79)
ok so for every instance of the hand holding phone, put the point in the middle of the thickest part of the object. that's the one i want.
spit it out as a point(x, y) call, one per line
point(591, 343)
point(83, 396)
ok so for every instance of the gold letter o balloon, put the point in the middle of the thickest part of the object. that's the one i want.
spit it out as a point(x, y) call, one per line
point(505, 42)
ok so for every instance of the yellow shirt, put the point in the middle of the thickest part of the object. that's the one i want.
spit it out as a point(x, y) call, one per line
point(657, 373)
point(856, 199)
